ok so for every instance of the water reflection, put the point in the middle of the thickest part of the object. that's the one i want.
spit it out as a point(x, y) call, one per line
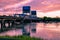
point(29, 28)
point(49, 31)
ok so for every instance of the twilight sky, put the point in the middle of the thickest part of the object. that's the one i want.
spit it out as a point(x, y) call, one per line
point(43, 7)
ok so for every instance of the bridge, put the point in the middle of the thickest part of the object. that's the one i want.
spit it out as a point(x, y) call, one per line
point(7, 22)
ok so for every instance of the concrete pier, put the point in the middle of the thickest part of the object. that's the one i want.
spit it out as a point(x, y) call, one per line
point(6, 24)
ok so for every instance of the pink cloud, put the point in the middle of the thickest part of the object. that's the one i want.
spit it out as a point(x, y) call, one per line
point(45, 5)
point(41, 5)
point(18, 4)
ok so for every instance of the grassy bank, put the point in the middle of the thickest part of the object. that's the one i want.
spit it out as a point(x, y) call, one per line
point(18, 38)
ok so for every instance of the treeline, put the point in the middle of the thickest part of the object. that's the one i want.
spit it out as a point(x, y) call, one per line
point(49, 19)
point(44, 19)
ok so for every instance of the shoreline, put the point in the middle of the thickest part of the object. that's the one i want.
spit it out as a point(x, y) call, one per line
point(23, 37)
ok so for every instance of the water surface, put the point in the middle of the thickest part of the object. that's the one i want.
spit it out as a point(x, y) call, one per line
point(48, 31)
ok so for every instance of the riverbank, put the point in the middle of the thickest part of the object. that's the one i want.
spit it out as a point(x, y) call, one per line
point(18, 38)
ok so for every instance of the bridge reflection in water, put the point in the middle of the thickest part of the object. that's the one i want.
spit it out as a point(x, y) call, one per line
point(26, 29)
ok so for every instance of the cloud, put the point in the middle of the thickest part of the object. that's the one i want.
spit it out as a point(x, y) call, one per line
point(41, 5)
point(49, 14)
point(12, 6)
point(45, 5)
point(18, 4)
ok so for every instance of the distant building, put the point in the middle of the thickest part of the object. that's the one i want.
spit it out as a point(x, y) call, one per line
point(33, 14)
point(27, 13)
point(26, 10)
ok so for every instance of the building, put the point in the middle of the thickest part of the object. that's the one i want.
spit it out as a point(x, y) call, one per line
point(26, 10)
point(33, 14)
point(27, 13)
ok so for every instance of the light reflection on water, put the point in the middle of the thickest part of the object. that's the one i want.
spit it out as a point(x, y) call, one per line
point(50, 31)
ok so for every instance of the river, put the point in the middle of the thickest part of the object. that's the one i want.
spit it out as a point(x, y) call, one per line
point(47, 31)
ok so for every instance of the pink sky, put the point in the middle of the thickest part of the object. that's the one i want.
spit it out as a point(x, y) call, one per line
point(43, 7)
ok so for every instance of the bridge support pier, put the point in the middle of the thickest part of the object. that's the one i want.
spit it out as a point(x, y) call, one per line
point(6, 24)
